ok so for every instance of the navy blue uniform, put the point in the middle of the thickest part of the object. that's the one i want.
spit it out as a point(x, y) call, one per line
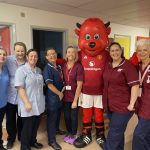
point(53, 76)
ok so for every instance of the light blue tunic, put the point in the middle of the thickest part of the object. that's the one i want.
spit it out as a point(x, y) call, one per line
point(32, 82)
point(12, 65)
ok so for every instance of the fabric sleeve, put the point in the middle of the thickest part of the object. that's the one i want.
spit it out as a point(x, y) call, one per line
point(20, 77)
point(80, 72)
point(47, 75)
point(131, 74)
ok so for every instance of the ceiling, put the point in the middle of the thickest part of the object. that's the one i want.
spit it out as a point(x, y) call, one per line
point(126, 12)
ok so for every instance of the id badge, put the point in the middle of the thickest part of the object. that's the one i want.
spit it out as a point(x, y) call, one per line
point(68, 87)
point(140, 92)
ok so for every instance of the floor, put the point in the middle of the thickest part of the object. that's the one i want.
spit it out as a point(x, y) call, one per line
point(42, 137)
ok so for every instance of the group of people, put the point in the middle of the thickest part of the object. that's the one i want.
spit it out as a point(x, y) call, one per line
point(126, 90)
point(22, 95)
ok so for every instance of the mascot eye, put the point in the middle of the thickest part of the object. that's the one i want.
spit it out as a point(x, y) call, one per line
point(96, 36)
point(87, 36)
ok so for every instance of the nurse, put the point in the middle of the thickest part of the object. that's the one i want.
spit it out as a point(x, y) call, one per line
point(31, 102)
point(53, 78)
point(14, 125)
point(141, 136)
point(121, 85)
point(4, 80)
point(73, 77)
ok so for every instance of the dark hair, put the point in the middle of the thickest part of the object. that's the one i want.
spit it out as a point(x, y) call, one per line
point(31, 50)
point(20, 44)
point(49, 48)
point(116, 43)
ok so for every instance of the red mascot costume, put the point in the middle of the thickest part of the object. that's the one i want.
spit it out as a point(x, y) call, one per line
point(93, 39)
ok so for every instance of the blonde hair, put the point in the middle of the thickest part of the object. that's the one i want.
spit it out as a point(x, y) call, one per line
point(76, 52)
point(3, 49)
point(143, 42)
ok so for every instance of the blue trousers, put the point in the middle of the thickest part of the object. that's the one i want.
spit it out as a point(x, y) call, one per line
point(71, 118)
point(52, 116)
point(117, 127)
point(141, 136)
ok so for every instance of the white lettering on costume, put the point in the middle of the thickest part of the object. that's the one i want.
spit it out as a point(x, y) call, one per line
point(94, 69)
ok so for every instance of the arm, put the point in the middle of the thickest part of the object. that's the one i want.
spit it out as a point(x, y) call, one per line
point(133, 98)
point(77, 94)
point(55, 90)
point(24, 98)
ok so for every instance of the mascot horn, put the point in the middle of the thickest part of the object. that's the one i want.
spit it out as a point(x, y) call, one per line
point(92, 41)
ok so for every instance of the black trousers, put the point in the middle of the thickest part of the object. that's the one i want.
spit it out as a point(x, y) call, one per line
point(71, 118)
point(29, 131)
point(13, 122)
point(2, 112)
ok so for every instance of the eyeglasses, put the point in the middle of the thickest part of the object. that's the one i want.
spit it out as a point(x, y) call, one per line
point(53, 54)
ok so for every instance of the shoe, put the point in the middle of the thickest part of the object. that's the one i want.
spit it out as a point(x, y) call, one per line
point(66, 138)
point(71, 139)
point(37, 145)
point(60, 132)
point(10, 144)
point(55, 146)
point(100, 141)
point(2, 148)
point(82, 141)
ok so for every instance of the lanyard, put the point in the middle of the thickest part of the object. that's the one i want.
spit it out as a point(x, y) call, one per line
point(68, 72)
point(141, 78)
point(57, 70)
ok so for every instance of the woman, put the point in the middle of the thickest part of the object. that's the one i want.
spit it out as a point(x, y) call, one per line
point(73, 78)
point(53, 78)
point(4, 80)
point(121, 87)
point(14, 126)
point(31, 103)
point(141, 136)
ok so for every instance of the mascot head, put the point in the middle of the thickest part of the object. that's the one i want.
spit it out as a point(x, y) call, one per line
point(93, 36)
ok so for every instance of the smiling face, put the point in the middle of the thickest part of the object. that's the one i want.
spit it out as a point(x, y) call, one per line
point(143, 52)
point(93, 36)
point(19, 52)
point(115, 52)
point(71, 54)
point(51, 56)
point(32, 58)
point(3, 56)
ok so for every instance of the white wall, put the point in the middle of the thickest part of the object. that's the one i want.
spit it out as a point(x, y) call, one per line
point(34, 17)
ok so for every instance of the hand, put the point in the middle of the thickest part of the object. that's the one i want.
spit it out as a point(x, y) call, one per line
point(61, 95)
point(131, 107)
point(74, 105)
point(28, 106)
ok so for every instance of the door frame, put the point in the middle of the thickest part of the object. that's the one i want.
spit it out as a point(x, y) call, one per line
point(64, 31)
point(13, 37)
